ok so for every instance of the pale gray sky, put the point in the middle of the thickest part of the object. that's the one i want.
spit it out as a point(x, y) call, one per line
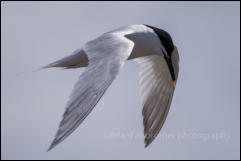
point(204, 119)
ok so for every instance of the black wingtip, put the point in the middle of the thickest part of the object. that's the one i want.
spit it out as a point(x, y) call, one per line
point(147, 143)
point(148, 139)
point(145, 146)
point(50, 148)
point(52, 145)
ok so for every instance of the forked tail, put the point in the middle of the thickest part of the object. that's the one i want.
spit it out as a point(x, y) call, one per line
point(76, 60)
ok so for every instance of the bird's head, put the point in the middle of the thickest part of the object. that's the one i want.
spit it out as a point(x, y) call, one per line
point(169, 51)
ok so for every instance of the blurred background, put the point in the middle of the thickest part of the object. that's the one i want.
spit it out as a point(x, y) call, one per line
point(204, 119)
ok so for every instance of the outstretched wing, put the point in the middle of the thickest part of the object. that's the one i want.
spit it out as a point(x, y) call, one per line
point(156, 88)
point(106, 56)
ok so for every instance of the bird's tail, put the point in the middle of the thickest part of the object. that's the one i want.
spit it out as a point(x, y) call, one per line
point(76, 60)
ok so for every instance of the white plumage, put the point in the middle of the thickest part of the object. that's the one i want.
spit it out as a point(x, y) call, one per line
point(103, 58)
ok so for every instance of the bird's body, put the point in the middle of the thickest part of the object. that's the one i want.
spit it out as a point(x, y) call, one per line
point(104, 57)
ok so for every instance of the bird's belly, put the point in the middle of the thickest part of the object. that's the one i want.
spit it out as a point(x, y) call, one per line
point(145, 44)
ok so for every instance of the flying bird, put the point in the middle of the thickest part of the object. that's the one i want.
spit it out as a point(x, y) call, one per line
point(104, 57)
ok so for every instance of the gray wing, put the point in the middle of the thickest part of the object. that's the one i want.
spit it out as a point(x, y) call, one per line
point(156, 88)
point(106, 56)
